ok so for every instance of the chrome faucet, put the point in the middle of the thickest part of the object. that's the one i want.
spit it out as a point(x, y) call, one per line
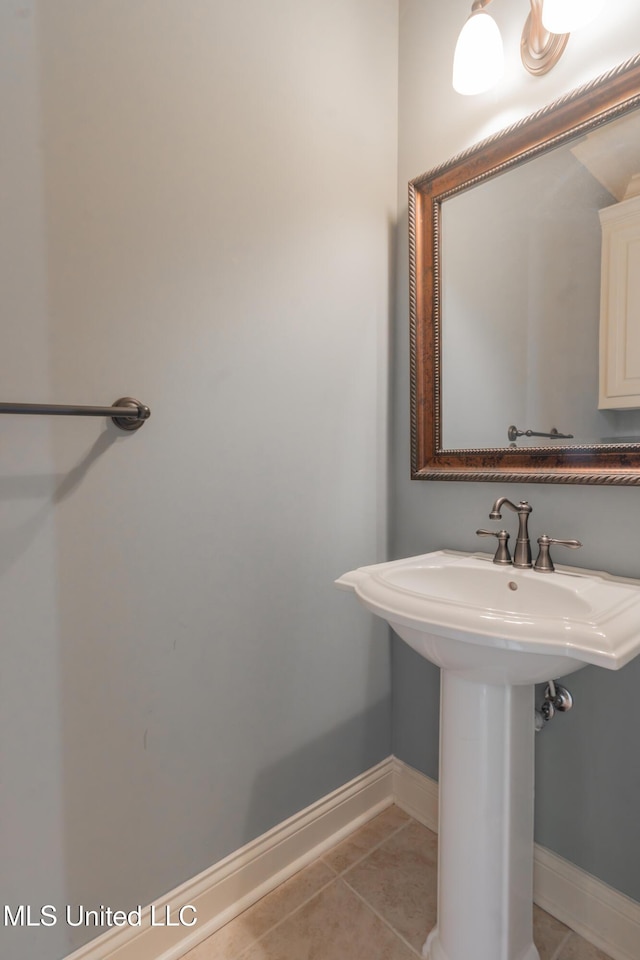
point(522, 552)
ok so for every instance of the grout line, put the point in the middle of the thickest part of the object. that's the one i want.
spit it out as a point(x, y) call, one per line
point(287, 916)
point(558, 952)
point(381, 918)
point(364, 856)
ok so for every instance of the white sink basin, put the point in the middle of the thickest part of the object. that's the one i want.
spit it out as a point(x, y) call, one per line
point(495, 631)
point(499, 624)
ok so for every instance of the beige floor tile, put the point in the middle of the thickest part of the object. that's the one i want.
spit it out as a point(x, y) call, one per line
point(399, 880)
point(578, 949)
point(548, 933)
point(388, 867)
point(335, 925)
point(356, 846)
point(228, 942)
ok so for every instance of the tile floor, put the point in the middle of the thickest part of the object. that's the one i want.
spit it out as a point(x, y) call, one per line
point(371, 897)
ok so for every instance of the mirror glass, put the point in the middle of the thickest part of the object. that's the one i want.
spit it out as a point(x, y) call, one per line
point(521, 265)
point(525, 297)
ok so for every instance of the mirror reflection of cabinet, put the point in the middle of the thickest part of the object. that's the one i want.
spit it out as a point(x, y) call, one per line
point(620, 306)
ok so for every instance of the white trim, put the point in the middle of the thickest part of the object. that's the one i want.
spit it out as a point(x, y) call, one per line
point(230, 886)
point(600, 914)
point(416, 794)
point(597, 912)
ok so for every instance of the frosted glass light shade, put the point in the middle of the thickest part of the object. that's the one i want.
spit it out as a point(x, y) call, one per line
point(478, 61)
point(563, 16)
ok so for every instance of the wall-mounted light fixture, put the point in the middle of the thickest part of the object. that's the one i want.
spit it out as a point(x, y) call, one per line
point(478, 61)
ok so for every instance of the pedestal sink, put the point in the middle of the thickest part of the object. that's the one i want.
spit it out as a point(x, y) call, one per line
point(495, 631)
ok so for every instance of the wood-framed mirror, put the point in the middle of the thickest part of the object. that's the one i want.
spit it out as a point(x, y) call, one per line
point(508, 245)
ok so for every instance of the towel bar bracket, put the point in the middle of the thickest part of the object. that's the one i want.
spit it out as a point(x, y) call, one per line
point(142, 413)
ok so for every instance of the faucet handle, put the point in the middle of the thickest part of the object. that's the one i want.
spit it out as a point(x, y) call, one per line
point(502, 553)
point(544, 563)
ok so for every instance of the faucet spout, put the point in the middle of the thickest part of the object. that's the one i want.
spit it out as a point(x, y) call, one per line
point(498, 505)
point(522, 552)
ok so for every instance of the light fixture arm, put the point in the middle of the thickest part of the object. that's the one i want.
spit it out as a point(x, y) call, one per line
point(539, 49)
point(538, 34)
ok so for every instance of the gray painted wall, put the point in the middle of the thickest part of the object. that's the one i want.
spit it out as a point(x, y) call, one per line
point(588, 775)
point(198, 202)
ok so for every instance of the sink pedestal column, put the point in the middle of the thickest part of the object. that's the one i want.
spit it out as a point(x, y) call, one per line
point(485, 864)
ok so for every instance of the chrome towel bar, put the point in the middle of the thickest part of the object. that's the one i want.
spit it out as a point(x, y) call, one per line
point(554, 434)
point(127, 413)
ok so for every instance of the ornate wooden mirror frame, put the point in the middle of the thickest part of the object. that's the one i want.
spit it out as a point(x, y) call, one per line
point(604, 99)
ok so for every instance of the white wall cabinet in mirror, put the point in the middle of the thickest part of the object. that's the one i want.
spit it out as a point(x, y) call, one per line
point(505, 293)
point(620, 305)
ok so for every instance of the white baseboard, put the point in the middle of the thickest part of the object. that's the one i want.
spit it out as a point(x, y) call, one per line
point(416, 794)
point(596, 911)
point(600, 914)
point(230, 886)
